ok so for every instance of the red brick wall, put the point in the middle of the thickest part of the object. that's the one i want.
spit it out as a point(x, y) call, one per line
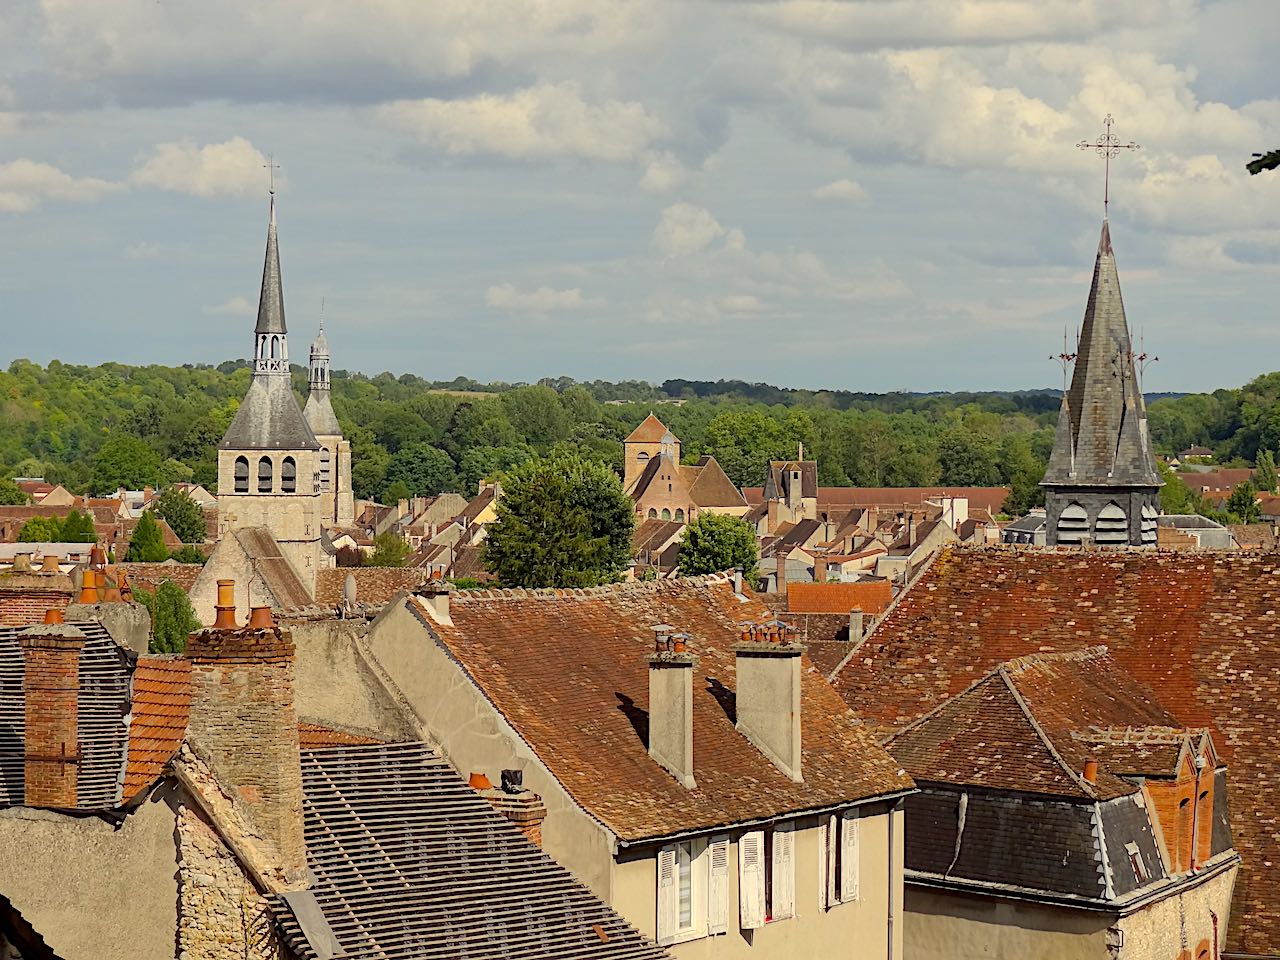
point(1174, 803)
point(51, 685)
point(20, 608)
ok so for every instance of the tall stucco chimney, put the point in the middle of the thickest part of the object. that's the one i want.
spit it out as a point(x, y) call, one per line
point(51, 688)
point(856, 628)
point(671, 704)
point(780, 579)
point(245, 726)
point(768, 694)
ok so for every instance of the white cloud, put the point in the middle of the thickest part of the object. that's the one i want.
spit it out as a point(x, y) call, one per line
point(664, 173)
point(684, 229)
point(234, 167)
point(235, 307)
point(543, 300)
point(741, 303)
point(541, 122)
point(24, 184)
point(844, 189)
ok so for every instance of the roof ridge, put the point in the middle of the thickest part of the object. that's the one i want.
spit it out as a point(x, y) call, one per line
point(1075, 777)
point(1023, 663)
point(601, 590)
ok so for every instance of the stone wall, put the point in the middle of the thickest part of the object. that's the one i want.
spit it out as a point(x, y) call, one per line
point(220, 912)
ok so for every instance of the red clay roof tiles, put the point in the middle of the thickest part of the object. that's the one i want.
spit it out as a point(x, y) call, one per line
point(871, 597)
point(161, 692)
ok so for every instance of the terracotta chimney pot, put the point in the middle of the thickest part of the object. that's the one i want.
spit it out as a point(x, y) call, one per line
point(478, 781)
point(260, 618)
point(1091, 770)
point(89, 586)
point(53, 615)
point(49, 563)
point(226, 606)
point(111, 591)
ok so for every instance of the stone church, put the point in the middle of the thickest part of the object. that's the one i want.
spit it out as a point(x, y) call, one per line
point(283, 475)
point(1102, 486)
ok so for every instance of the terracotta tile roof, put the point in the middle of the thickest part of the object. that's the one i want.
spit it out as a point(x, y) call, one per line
point(651, 430)
point(983, 498)
point(468, 563)
point(313, 736)
point(568, 670)
point(161, 692)
point(276, 572)
point(375, 585)
point(1199, 629)
point(654, 535)
point(1255, 536)
point(1030, 724)
point(871, 596)
point(151, 575)
point(710, 486)
point(1224, 480)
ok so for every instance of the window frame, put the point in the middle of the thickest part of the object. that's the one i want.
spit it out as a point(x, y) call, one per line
point(696, 849)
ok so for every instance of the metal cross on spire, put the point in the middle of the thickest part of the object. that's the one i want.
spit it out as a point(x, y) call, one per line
point(271, 166)
point(1107, 145)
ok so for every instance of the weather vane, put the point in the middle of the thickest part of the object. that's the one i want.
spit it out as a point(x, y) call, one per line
point(1065, 359)
point(1108, 145)
point(271, 166)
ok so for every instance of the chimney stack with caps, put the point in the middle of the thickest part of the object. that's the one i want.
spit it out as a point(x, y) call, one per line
point(820, 570)
point(768, 694)
point(51, 687)
point(856, 627)
point(522, 807)
point(671, 704)
point(780, 580)
point(435, 594)
point(244, 724)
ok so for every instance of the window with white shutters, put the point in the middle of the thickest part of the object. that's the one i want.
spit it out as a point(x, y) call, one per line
point(828, 860)
point(682, 891)
point(668, 895)
point(849, 856)
point(751, 880)
point(718, 886)
point(782, 904)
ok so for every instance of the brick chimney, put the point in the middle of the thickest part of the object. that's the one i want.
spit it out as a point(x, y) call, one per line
point(671, 704)
point(820, 570)
point(244, 724)
point(51, 687)
point(522, 807)
point(768, 693)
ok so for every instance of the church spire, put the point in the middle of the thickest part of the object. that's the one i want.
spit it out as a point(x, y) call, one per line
point(271, 351)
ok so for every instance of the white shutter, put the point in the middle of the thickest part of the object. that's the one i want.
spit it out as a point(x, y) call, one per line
point(751, 879)
point(849, 856)
point(668, 895)
point(830, 838)
point(784, 872)
point(718, 887)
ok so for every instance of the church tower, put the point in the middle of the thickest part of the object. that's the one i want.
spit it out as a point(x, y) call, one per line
point(1102, 485)
point(269, 459)
point(337, 503)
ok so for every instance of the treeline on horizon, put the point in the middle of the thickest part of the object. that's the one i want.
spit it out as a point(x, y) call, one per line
point(96, 428)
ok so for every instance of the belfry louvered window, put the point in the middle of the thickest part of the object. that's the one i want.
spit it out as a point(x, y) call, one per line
point(1073, 523)
point(1112, 526)
point(289, 475)
point(325, 468)
point(264, 475)
point(242, 475)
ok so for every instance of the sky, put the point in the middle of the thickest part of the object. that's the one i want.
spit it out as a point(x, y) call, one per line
point(846, 194)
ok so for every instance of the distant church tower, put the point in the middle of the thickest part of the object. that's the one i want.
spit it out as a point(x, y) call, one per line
point(269, 459)
point(1102, 485)
point(336, 499)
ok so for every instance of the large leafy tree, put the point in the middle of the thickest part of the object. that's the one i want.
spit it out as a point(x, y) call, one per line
point(41, 530)
point(147, 543)
point(389, 550)
point(10, 495)
point(125, 461)
point(717, 542)
point(1242, 505)
point(563, 522)
point(173, 618)
point(77, 527)
point(183, 514)
point(425, 470)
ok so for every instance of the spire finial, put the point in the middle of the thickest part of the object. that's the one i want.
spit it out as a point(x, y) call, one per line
point(271, 167)
point(1107, 145)
point(322, 313)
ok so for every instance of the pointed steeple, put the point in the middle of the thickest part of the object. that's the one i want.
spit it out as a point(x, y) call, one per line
point(271, 300)
point(319, 409)
point(1103, 440)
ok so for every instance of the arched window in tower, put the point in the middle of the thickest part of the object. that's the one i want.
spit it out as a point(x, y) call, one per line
point(1073, 524)
point(680, 515)
point(1112, 525)
point(666, 514)
point(264, 475)
point(653, 513)
point(275, 348)
point(642, 457)
point(242, 475)
point(325, 468)
point(289, 475)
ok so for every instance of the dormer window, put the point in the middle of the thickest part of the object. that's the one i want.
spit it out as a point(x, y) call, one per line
point(1136, 863)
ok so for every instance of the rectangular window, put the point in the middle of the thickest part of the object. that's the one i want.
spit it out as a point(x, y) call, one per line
point(682, 891)
point(838, 859)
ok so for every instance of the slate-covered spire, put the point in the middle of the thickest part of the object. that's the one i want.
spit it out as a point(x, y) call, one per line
point(271, 343)
point(1103, 441)
point(319, 409)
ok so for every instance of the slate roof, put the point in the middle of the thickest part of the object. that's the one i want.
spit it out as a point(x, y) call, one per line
point(1102, 438)
point(422, 866)
point(870, 596)
point(160, 710)
point(569, 671)
point(102, 706)
point(271, 299)
point(269, 418)
point(1198, 629)
point(319, 414)
point(775, 482)
point(651, 430)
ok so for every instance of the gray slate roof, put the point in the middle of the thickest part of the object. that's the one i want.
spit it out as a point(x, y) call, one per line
point(269, 418)
point(319, 414)
point(271, 300)
point(411, 862)
point(1102, 439)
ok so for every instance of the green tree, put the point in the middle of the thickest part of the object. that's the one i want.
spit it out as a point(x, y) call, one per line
point(389, 550)
point(173, 618)
point(424, 469)
point(147, 543)
point(967, 459)
point(1242, 505)
point(10, 495)
point(715, 542)
point(184, 516)
point(1175, 496)
point(563, 522)
point(188, 553)
point(77, 527)
point(1264, 474)
point(125, 461)
point(41, 530)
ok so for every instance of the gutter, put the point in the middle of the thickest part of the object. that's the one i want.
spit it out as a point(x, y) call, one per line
point(1118, 909)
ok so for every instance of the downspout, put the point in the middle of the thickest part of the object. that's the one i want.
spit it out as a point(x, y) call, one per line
point(1195, 813)
point(889, 951)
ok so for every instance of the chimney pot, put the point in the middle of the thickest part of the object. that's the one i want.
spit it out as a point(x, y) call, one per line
point(226, 606)
point(111, 590)
point(49, 563)
point(89, 586)
point(260, 618)
point(512, 781)
point(478, 781)
point(22, 563)
point(53, 615)
point(1091, 770)
point(522, 807)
